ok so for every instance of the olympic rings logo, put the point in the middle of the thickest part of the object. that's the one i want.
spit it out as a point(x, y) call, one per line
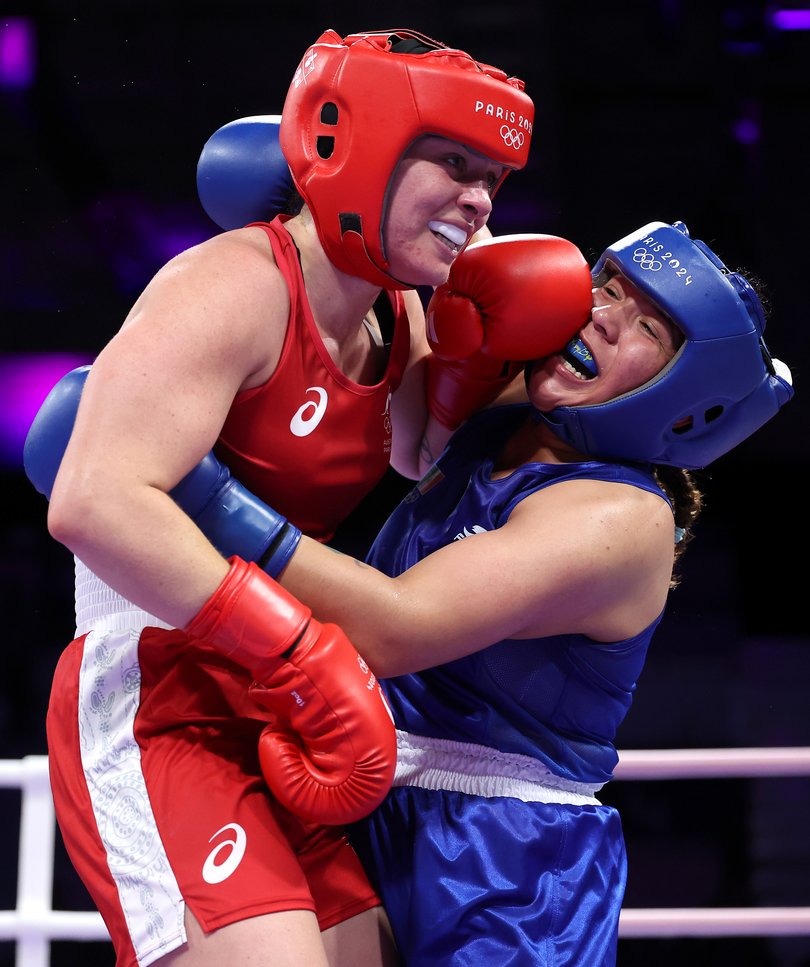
point(512, 138)
point(647, 260)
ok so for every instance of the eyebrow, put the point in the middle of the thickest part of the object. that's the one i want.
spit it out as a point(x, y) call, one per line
point(483, 157)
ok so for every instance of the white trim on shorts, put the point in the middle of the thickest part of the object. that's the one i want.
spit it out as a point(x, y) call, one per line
point(97, 603)
point(477, 770)
point(109, 697)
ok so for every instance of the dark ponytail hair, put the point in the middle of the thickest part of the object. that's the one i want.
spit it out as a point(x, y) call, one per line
point(687, 502)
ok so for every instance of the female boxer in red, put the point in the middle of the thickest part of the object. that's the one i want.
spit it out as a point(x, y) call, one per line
point(271, 342)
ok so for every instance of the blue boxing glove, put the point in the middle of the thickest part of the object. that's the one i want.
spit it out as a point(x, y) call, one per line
point(242, 175)
point(236, 522)
point(49, 434)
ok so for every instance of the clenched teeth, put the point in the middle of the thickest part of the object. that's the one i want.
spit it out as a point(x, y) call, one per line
point(452, 234)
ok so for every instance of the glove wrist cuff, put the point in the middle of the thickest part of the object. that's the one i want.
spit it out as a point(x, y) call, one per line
point(250, 619)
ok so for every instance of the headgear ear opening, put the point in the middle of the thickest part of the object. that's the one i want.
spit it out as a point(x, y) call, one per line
point(356, 104)
point(721, 386)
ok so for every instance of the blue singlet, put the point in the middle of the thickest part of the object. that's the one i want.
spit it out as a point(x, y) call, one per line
point(492, 848)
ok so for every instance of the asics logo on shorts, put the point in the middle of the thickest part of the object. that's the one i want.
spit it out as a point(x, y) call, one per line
point(219, 867)
point(307, 417)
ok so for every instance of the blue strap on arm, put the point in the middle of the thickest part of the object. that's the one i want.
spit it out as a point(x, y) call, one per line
point(233, 519)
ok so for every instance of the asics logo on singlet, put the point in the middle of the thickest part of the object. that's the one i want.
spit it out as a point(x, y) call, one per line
point(309, 414)
point(647, 260)
point(476, 529)
point(216, 869)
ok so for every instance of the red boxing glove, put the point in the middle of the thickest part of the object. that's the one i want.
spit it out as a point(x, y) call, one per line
point(340, 763)
point(506, 300)
point(335, 759)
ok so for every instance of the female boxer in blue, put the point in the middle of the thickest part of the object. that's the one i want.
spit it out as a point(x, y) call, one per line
point(512, 597)
point(517, 589)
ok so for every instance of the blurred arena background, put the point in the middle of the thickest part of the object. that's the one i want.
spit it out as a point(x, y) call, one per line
point(668, 109)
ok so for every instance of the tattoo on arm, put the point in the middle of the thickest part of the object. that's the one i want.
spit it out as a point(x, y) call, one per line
point(340, 553)
point(426, 451)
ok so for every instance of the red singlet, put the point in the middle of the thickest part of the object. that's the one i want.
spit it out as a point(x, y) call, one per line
point(310, 441)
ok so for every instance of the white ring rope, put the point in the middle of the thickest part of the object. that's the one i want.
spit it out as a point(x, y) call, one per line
point(712, 763)
point(720, 922)
point(34, 923)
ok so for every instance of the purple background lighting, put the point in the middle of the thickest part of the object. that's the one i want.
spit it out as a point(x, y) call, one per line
point(791, 19)
point(17, 52)
point(746, 131)
point(27, 378)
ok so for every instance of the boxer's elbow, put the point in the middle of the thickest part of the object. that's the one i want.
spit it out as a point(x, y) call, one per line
point(79, 511)
point(70, 520)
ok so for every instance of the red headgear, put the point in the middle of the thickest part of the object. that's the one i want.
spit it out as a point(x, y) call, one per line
point(355, 106)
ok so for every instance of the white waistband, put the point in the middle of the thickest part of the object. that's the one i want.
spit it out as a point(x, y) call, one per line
point(97, 605)
point(477, 770)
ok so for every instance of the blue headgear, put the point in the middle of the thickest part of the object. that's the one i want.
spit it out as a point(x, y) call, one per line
point(720, 386)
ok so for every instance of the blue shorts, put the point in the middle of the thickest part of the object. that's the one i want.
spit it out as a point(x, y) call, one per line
point(468, 880)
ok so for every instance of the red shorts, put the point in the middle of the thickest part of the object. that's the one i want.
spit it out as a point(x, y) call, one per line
point(161, 801)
